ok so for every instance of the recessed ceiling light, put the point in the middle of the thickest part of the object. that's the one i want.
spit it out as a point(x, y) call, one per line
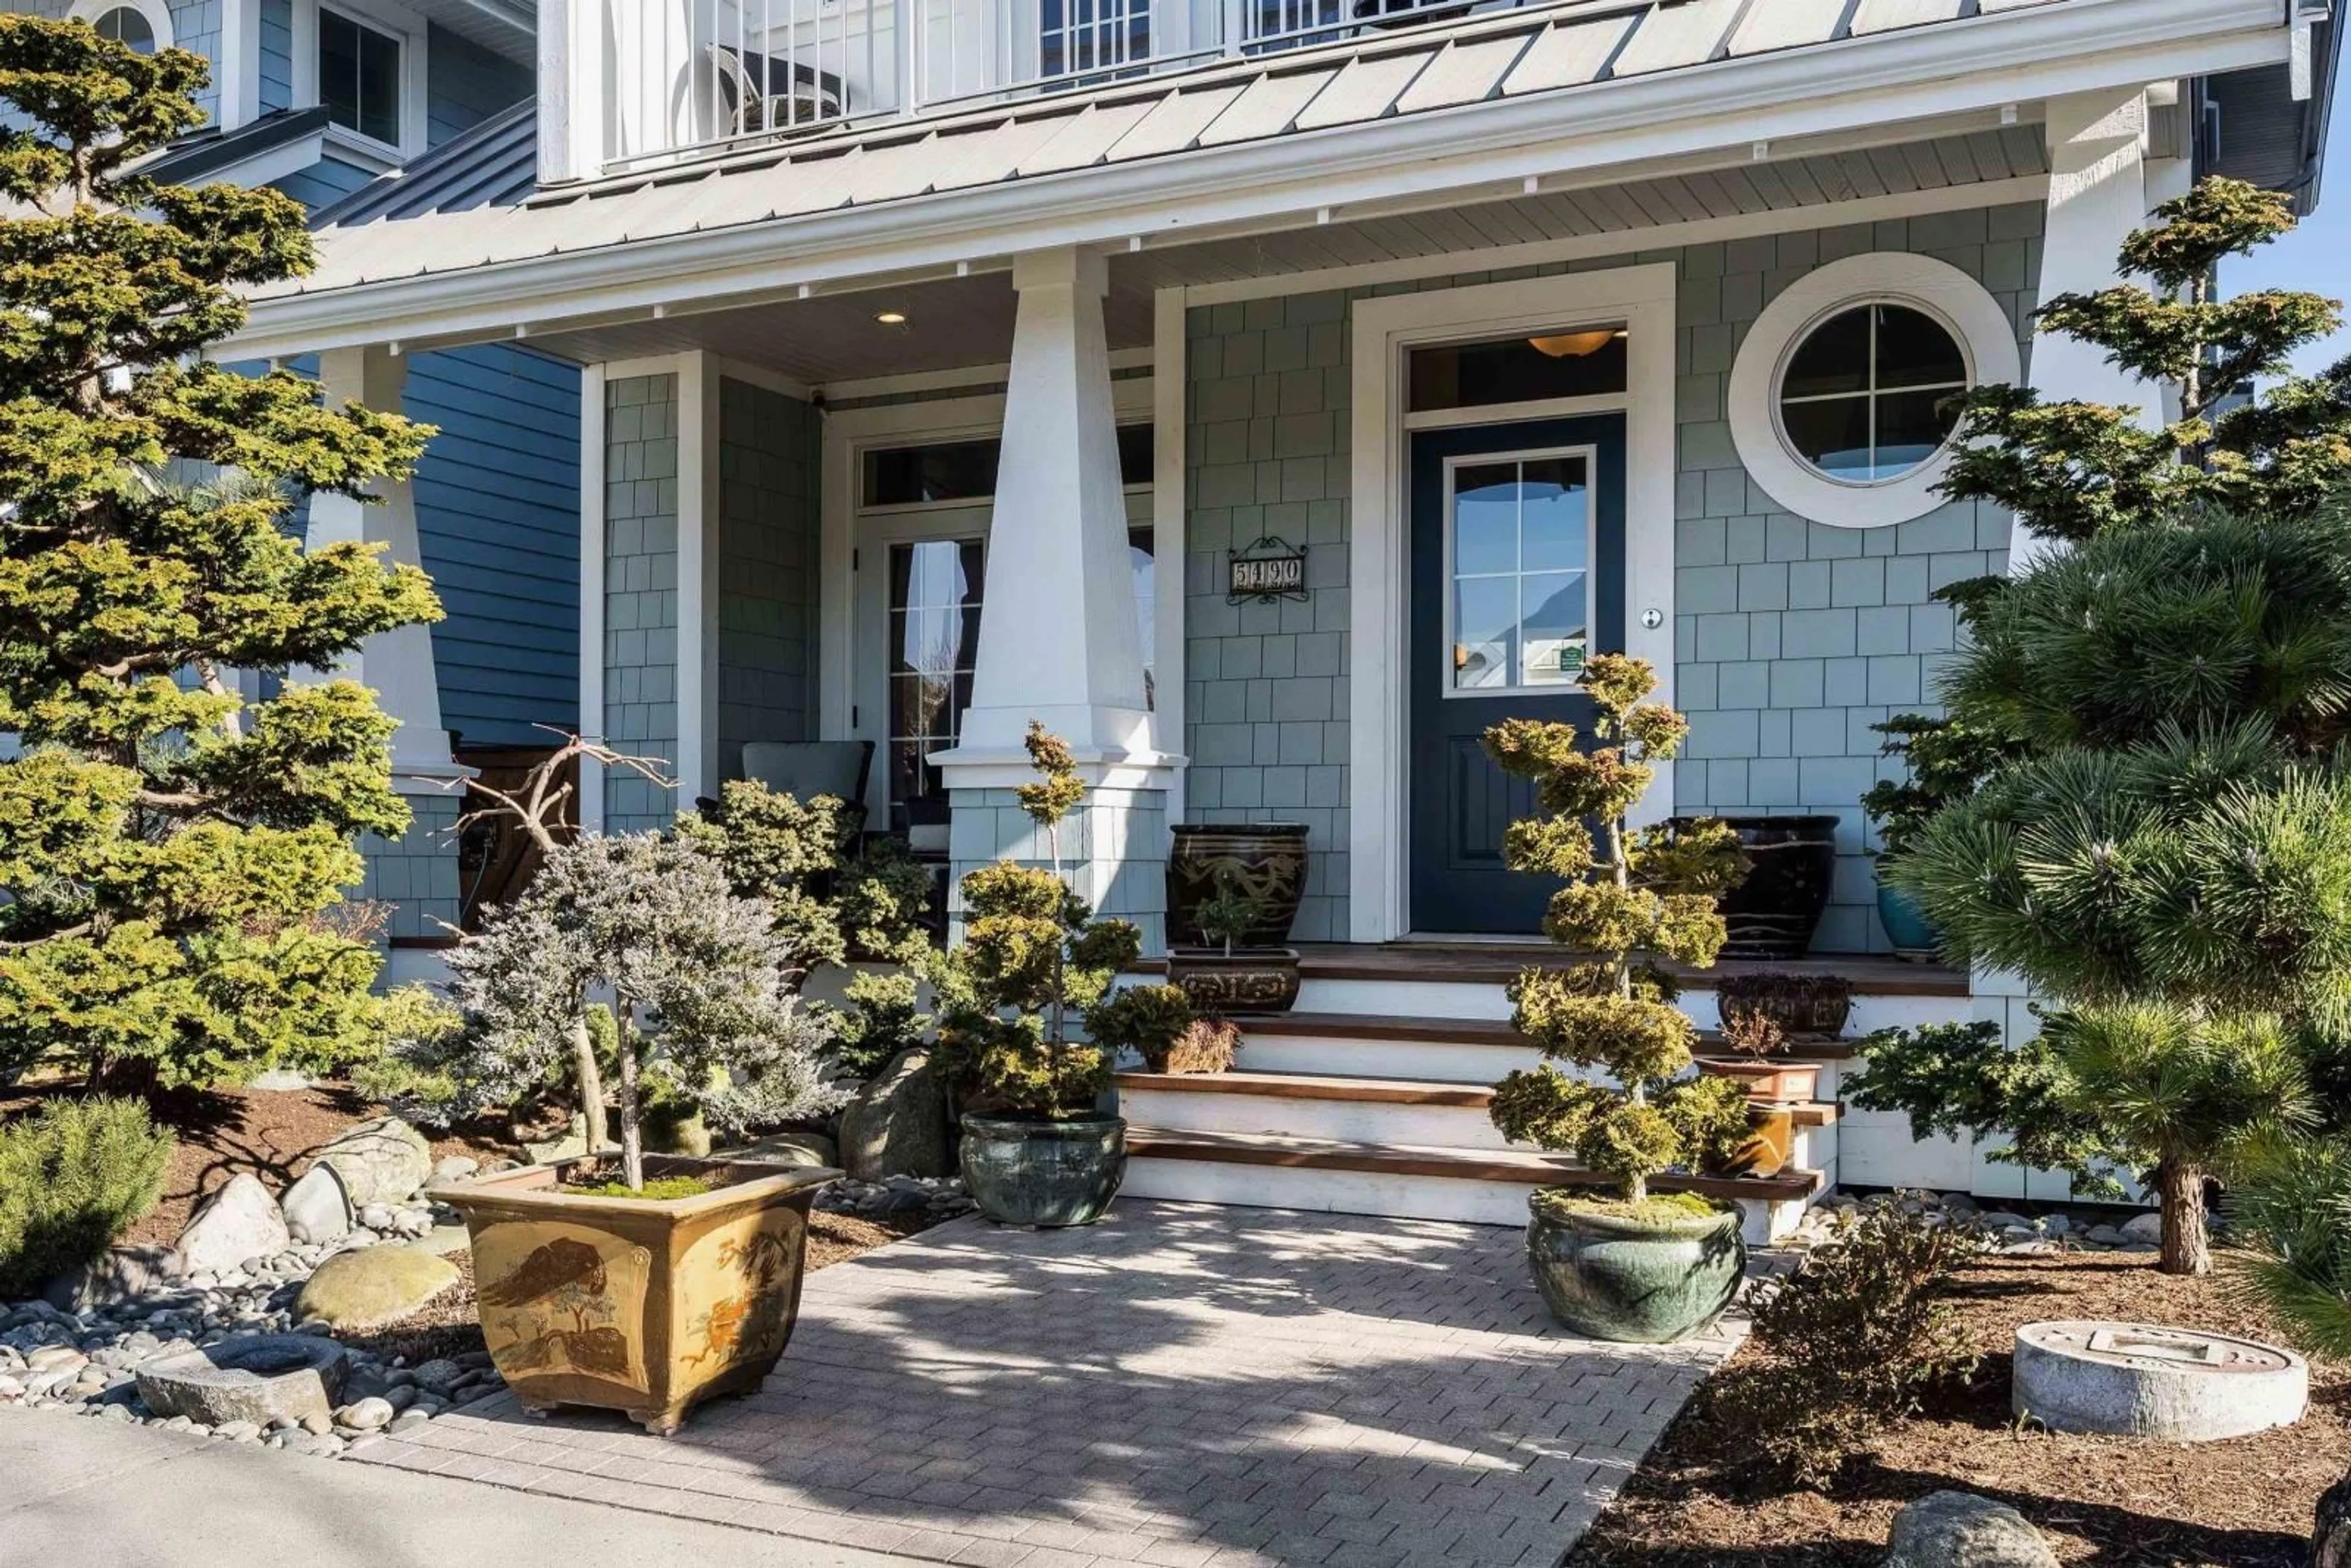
point(891, 318)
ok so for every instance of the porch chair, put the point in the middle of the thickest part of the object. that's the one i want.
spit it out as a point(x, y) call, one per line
point(764, 92)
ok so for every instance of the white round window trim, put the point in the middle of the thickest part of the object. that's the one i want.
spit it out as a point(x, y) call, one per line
point(157, 12)
point(1890, 277)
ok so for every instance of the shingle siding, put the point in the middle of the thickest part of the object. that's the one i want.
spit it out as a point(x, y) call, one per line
point(640, 593)
point(195, 27)
point(767, 524)
point(1791, 637)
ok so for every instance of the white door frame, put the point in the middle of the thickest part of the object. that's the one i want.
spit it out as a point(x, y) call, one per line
point(1640, 299)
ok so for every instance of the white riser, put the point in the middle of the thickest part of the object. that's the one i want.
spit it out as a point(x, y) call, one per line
point(1445, 1000)
point(1339, 1121)
point(1338, 1057)
point(1368, 1192)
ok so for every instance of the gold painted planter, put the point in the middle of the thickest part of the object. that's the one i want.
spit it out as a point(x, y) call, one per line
point(645, 1306)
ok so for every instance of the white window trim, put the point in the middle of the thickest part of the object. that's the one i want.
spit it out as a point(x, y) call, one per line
point(157, 13)
point(1589, 456)
point(1986, 336)
point(408, 29)
point(1639, 298)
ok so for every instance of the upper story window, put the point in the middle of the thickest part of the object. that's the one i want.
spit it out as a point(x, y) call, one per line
point(359, 76)
point(145, 26)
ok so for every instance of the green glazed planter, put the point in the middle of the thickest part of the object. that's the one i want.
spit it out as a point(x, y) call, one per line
point(1638, 1282)
point(1907, 929)
point(1022, 1171)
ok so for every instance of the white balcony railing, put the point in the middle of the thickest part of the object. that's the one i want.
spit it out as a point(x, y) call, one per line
point(685, 76)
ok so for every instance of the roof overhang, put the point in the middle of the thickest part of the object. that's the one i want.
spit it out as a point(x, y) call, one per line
point(505, 27)
point(1891, 81)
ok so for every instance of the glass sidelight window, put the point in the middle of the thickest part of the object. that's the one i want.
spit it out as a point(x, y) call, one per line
point(935, 589)
point(1518, 557)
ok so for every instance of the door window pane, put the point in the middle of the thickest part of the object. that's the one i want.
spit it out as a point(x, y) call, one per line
point(935, 598)
point(1520, 561)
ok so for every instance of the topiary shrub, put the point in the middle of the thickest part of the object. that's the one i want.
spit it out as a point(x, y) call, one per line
point(1850, 1341)
point(1160, 1024)
point(73, 1177)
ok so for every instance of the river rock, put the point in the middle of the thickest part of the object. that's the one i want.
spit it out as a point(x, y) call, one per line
point(1958, 1529)
point(897, 1126)
point(791, 1149)
point(366, 1289)
point(116, 1275)
point(240, 1221)
point(453, 1168)
point(2143, 1228)
point(382, 1161)
point(316, 1208)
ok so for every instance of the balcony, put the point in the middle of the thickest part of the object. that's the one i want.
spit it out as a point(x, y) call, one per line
point(683, 77)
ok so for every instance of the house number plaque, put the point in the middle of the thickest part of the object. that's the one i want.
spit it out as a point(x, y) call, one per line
point(1272, 568)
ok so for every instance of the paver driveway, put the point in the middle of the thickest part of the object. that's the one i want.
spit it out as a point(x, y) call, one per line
point(1180, 1384)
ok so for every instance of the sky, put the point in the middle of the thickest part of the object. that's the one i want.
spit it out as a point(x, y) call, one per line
point(2316, 255)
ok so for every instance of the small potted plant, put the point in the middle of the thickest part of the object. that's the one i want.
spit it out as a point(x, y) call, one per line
point(636, 1282)
point(1037, 1148)
point(1626, 1265)
point(1761, 1014)
point(1948, 762)
point(1223, 974)
point(1159, 1024)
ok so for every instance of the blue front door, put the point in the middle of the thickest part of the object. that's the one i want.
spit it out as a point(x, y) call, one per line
point(1518, 575)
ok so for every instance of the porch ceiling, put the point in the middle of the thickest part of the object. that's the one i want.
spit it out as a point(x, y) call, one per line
point(955, 322)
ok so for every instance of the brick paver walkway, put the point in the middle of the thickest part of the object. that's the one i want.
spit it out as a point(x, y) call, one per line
point(1178, 1385)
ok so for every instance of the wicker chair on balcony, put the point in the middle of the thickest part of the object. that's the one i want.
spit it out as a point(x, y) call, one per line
point(769, 92)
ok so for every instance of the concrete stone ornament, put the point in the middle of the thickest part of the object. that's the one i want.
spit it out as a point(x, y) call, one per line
point(262, 1379)
point(2146, 1380)
point(1958, 1529)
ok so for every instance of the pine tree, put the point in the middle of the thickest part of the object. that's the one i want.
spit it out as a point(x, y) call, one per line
point(2165, 855)
point(172, 849)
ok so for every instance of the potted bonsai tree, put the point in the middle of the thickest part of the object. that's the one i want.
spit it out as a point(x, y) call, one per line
point(1036, 1148)
point(1630, 1264)
point(1224, 973)
point(643, 1283)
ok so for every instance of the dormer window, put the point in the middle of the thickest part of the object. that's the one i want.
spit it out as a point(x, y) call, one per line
point(125, 25)
point(145, 26)
point(359, 76)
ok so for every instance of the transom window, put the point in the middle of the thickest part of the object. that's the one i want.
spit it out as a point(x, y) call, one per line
point(1519, 551)
point(359, 77)
point(1867, 394)
point(128, 24)
point(1572, 361)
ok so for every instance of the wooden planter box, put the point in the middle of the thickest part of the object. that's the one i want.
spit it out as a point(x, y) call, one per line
point(645, 1306)
point(1768, 1079)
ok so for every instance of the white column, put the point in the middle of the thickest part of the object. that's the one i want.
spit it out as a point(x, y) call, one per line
point(2097, 195)
point(397, 663)
point(570, 90)
point(1057, 631)
point(237, 63)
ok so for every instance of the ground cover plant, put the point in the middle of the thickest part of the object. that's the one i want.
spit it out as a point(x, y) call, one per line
point(173, 848)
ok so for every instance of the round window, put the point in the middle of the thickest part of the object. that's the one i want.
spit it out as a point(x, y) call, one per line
point(128, 24)
point(1867, 394)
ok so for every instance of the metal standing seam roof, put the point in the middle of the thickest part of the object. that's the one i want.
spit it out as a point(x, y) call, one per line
point(469, 201)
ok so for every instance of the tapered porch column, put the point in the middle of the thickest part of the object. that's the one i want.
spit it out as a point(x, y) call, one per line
point(417, 875)
point(1057, 640)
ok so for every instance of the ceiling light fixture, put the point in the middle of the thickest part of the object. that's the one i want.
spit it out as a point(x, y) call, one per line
point(1571, 345)
point(891, 318)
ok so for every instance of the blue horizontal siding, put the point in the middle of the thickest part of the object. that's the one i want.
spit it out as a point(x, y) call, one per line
point(465, 84)
point(276, 54)
point(328, 180)
point(498, 515)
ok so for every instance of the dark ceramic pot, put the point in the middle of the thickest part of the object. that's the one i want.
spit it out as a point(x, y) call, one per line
point(1246, 980)
point(1914, 935)
point(1022, 1171)
point(1637, 1281)
point(1772, 914)
point(1267, 861)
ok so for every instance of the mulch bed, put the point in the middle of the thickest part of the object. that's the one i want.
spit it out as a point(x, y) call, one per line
point(2107, 1502)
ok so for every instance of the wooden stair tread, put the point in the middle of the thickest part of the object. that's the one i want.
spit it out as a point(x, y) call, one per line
point(1476, 1031)
point(1494, 962)
point(1315, 1086)
point(1527, 1167)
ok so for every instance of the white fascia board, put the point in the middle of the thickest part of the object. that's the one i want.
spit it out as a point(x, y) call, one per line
point(1886, 80)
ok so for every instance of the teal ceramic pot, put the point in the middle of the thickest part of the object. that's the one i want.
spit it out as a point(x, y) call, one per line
point(1022, 1171)
point(1635, 1280)
point(1906, 926)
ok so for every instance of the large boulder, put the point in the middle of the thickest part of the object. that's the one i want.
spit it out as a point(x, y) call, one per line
point(355, 1292)
point(116, 1275)
point(897, 1126)
point(316, 1209)
point(382, 1161)
point(1958, 1530)
point(240, 1221)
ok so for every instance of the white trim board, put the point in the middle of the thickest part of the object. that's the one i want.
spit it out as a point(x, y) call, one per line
point(591, 591)
point(1642, 299)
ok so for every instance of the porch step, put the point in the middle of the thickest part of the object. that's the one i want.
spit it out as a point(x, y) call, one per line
point(1489, 1187)
point(1449, 1050)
